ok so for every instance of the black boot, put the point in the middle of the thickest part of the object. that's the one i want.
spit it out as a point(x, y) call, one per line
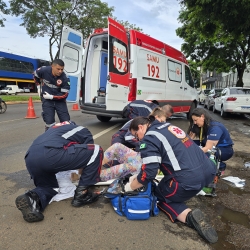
point(29, 205)
point(196, 220)
point(81, 199)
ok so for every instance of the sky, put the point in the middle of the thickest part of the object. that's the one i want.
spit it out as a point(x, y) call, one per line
point(157, 18)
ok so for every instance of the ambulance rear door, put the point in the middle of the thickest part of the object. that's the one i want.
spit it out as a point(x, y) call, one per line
point(118, 69)
point(71, 50)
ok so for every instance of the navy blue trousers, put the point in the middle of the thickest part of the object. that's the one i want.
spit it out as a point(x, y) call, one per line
point(172, 194)
point(43, 163)
point(225, 154)
point(49, 109)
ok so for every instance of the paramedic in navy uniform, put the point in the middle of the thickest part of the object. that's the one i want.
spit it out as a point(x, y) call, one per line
point(55, 89)
point(139, 108)
point(65, 146)
point(185, 167)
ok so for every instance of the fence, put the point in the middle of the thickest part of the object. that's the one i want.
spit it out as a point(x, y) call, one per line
point(230, 80)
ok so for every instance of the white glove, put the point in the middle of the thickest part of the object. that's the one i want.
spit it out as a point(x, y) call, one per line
point(47, 96)
point(128, 188)
point(131, 178)
point(38, 90)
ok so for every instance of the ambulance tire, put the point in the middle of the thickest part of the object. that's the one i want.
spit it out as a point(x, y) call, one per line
point(193, 106)
point(103, 118)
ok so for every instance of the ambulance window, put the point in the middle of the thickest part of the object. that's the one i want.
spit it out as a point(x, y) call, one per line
point(174, 71)
point(188, 77)
point(118, 56)
point(71, 61)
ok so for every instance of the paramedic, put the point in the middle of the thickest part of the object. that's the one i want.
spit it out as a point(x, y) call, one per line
point(168, 148)
point(124, 136)
point(53, 91)
point(211, 133)
point(139, 108)
point(65, 146)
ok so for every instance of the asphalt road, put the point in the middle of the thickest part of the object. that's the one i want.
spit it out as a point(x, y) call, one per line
point(91, 227)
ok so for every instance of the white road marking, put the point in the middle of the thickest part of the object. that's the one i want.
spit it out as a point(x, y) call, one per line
point(12, 120)
point(105, 131)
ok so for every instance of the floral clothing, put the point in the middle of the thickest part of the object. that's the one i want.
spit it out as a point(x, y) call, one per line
point(129, 159)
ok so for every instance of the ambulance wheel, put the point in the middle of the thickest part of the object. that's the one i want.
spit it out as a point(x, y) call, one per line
point(193, 106)
point(103, 118)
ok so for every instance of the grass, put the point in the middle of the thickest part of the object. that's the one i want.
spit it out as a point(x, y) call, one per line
point(18, 98)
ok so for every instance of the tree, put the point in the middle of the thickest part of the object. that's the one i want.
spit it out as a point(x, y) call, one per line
point(46, 18)
point(128, 25)
point(3, 10)
point(217, 33)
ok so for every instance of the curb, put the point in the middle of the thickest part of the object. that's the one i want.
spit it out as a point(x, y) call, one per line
point(21, 102)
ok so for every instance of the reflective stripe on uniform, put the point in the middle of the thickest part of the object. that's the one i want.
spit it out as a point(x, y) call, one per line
point(151, 159)
point(141, 106)
point(72, 132)
point(168, 149)
point(126, 124)
point(65, 90)
point(129, 138)
point(50, 85)
point(94, 155)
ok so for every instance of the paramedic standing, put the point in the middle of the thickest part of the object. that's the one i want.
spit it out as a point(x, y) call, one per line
point(170, 149)
point(53, 91)
point(65, 146)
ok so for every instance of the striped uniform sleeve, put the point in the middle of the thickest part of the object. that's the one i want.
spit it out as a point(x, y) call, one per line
point(64, 89)
point(151, 159)
point(79, 134)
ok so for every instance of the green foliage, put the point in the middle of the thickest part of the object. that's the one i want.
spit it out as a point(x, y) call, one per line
point(128, 25)
point(3, 10)
point(19, 98)
point(217, 33)
point(46, 18)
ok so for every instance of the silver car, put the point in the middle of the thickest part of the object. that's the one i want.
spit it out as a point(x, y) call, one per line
point(209, 99)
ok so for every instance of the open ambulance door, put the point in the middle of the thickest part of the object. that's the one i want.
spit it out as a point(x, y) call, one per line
point(117, 87)
point(71, 50)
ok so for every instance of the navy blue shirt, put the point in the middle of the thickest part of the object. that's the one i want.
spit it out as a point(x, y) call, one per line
point(138, 108)
point(58, 86)
point(170, 149)
point(218, 132)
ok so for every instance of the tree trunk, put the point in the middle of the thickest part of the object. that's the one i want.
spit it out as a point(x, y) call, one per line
point(240, 72)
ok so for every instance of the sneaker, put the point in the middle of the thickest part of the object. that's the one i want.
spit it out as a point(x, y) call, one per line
point(28, 204)
point(81, 199)
point(196, 220)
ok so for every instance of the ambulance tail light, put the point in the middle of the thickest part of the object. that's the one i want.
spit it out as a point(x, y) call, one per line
point(132, 89)
point(231, 99)
point(80, 93)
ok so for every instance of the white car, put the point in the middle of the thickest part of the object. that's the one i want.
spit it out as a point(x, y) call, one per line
point(26, 90)
point(233, 100)
point(202, 94)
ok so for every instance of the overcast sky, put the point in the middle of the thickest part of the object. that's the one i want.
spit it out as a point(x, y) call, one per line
point(157, 18)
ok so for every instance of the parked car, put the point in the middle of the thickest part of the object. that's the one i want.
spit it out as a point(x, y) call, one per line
point(26, 90)
point(202, 94)
point(20, 90)
point(9, 90)
point(209, 99)
point(233, 100)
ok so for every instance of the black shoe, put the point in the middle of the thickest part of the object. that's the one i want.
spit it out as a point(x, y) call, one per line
point(196, 220)
point(81, 199)
point(29, 205)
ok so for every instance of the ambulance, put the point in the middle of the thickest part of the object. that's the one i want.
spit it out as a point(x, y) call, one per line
point(119, 66)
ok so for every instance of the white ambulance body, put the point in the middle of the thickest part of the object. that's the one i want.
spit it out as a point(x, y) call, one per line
point(121, 66)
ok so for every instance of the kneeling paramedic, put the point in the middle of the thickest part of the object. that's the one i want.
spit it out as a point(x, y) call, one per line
point(185, 167)
point(63, 147)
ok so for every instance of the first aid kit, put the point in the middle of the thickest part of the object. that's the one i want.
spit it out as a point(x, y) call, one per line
point(139, 204)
